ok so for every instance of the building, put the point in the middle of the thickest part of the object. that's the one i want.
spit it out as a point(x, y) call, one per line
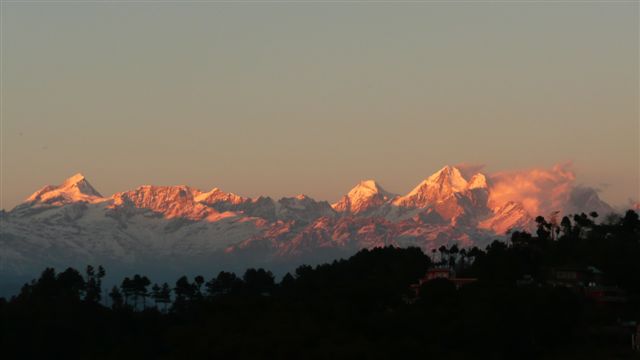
point(442, 273)
point(578, 277)
point(588, 281)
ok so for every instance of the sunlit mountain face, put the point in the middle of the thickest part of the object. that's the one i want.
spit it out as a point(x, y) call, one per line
point(167, 229)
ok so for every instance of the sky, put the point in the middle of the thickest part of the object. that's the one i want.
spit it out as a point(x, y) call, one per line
point(282, 98)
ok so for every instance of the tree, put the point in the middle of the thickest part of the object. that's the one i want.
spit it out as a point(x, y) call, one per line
point(140, 284)
point(630, 221)
point(161, 295)
point(287, 281)
point(184, 291)
point(303, 270)
point(71, 283)
point(463, 258)
point(453, 252)
point(224, 283)
point(155, 294)
point(116, 298)
point(128, 290)
point(258, 281)
point(520, 238)
point(565, 224)
point(197, 286)
point(94, 284)
point(443, 250)
point(165, 295)
point(543, 231)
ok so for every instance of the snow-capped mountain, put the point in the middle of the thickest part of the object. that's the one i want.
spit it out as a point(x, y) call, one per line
point(72, 190)
point(509, 216)
point(364, 198)
point(436, 188)
point(167, 229)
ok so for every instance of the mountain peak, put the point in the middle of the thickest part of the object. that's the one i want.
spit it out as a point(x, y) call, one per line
point(74, 189)
point(366, 195)
point(444, 182)
point(79, 177)
point(436, 188)
point(448, 176)
point(367, 186)
point(217, 196)
point(478, 181)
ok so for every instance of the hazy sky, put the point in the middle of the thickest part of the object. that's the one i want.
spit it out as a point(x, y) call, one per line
point(280, 98)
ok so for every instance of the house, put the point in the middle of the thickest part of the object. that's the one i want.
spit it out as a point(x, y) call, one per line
point(589, 282)
point(578, 277)
point(442, 273)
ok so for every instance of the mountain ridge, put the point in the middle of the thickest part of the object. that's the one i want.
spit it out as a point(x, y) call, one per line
point(172, 226)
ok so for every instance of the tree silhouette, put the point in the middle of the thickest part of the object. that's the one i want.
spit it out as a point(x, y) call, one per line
point(258, 281)
point(184, 292)
point(443, 250)
point(155, 294)
point(71, 284)
point(544, 227)
point(198, 281)
point(117, 301)
point(565, 224)
point(128, 290)
point(224, 283)
point(139, 285)
point(165, 295)
point(453, 252)
point(94, 284)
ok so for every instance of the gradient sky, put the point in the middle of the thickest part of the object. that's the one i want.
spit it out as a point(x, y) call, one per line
point(278, 98)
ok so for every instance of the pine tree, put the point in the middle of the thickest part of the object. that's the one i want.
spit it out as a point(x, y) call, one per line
point(116, 298)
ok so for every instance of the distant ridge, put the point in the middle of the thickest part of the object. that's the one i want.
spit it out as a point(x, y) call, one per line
point(175, 227)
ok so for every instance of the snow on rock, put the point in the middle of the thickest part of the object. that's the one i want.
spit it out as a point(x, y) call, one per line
point(170, 201)
point(508, 217)
point(364, 197)
point(477, 181)
point(437, 187)
point(73, 189)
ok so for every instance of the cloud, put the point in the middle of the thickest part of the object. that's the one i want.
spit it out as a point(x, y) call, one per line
point(540, 191)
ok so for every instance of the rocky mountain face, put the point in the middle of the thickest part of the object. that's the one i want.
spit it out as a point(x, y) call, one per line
point(171, 229)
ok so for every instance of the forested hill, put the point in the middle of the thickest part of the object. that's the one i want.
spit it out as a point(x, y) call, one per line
point(569, 291)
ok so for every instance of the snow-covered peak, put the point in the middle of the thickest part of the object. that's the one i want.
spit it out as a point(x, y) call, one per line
point(478, 181)
point(437, 187)
point(74, 189)
point(216, 196)
point(448, 177)
point(74, 179)
point(367, 194)
point(365, 190)
point(367, 187)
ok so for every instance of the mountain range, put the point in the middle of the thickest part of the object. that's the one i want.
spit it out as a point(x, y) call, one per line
point(165, 230)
